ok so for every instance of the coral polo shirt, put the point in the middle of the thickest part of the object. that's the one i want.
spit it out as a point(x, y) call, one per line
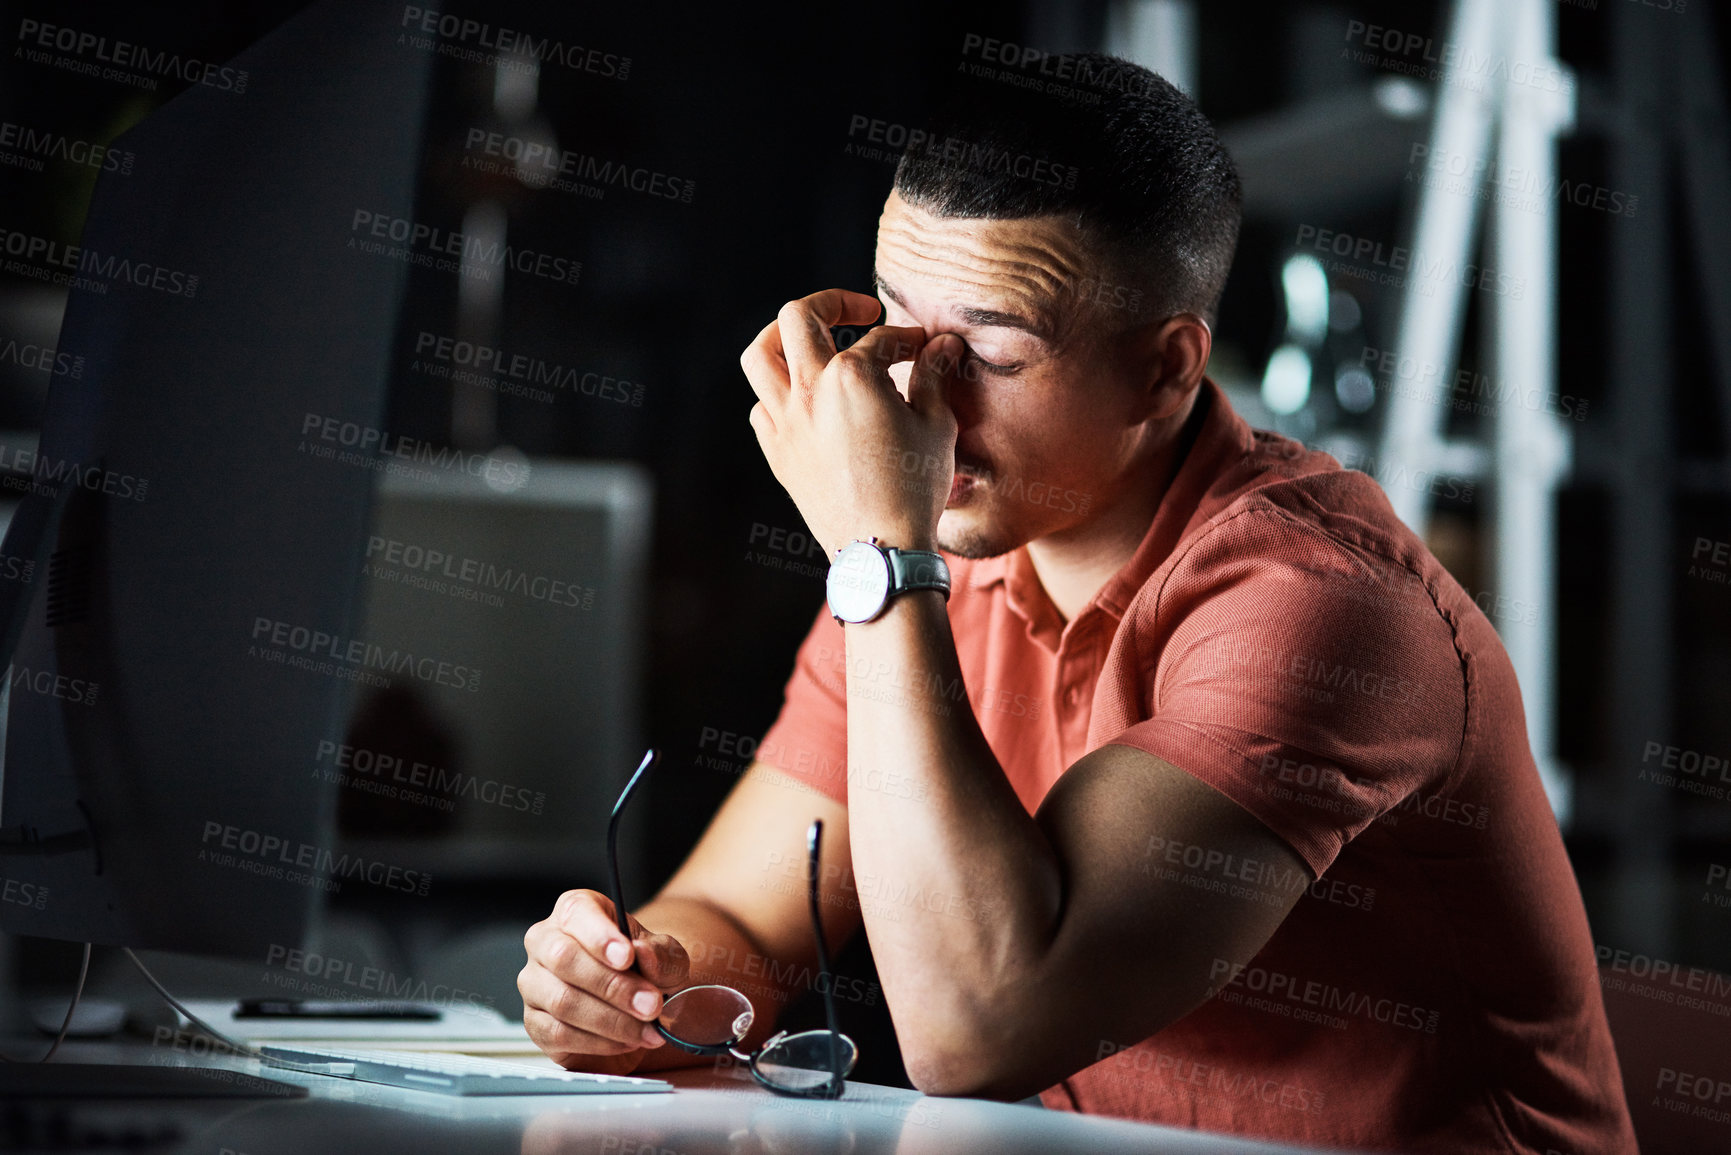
point(1283, 637)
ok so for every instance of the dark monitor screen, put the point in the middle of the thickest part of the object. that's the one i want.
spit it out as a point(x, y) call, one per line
point(179, 517)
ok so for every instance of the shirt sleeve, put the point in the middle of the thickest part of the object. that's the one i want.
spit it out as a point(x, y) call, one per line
point(1310, 679)
point(808, 740)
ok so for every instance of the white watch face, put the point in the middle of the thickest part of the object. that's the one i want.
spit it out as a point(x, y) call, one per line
point(859, 583)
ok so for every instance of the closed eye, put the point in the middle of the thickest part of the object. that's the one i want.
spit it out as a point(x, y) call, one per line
point(989, 366)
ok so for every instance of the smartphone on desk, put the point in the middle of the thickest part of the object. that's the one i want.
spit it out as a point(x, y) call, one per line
point(392, 1009)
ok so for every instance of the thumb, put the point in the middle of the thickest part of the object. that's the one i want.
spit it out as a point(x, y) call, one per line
point(662, 960)
point(940, 357)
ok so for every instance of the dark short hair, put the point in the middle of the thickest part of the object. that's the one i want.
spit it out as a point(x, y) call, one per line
point(1151, 188)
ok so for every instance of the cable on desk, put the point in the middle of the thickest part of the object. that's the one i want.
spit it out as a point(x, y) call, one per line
point(242, 1049)
point(71, 1009)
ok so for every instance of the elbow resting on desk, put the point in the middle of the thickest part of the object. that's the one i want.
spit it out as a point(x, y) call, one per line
point(1026, 1037)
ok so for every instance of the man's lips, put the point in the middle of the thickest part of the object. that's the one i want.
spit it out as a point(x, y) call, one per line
point(974, 467)
point(966, 478)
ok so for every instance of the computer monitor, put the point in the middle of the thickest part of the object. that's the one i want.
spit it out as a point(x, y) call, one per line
point(181, 531)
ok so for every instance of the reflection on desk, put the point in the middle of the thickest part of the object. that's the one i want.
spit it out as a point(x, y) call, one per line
point(711, 1112)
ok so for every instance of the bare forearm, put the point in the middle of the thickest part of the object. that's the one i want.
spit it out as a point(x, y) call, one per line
point(959, 888)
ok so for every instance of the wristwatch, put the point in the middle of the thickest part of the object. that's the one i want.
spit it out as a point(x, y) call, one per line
point(865, 576)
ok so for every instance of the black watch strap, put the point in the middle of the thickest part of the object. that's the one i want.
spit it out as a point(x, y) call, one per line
point(917, 569)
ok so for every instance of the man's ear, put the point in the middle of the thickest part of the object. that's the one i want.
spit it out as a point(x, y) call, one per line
point(1176, 353)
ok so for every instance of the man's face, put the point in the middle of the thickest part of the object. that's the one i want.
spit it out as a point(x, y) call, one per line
point(1051, 402)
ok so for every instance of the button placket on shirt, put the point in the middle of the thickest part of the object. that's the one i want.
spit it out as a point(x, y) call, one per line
point(1078, 665)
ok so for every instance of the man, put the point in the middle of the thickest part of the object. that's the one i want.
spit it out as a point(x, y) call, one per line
point(1205, 797)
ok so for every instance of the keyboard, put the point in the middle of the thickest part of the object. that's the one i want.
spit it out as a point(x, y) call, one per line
point(446, 1074)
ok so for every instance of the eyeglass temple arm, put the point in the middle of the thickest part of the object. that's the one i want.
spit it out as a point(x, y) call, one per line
point(618, 892)
point(814, 847)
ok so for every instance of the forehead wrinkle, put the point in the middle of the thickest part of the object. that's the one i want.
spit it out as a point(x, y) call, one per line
point(982, 294)
point(965, 241)
point(1031, 273)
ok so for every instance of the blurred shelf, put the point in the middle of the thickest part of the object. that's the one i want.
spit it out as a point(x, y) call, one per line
point(1330, 156)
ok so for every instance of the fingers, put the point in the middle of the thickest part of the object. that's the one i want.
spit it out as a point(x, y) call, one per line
point(804, 327)
point(795, 347)
point(765, 366)
point(580, 973)
point(797, 344)
point(663, 960)
point(761, 423)
point(888, 345)
point(588, 917)
point(936, 361)
point(564, 958)
point(563, 1020)
point(580, 993)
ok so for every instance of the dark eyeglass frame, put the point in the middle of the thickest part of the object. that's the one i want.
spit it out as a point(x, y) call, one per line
point(834, 1087)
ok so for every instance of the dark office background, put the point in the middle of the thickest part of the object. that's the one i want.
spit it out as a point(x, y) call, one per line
point(753, 104)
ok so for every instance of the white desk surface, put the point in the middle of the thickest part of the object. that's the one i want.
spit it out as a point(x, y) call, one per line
point(708, 1113)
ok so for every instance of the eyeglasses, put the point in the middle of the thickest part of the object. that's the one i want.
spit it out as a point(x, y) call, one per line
point(712, 1019)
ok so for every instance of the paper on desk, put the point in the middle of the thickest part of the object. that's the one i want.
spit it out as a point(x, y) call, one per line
point(466, 1028)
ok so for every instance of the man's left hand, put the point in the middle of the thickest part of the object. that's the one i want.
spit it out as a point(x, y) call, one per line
point(858, 457)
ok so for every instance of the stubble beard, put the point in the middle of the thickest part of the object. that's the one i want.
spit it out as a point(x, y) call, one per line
point(973, 541)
